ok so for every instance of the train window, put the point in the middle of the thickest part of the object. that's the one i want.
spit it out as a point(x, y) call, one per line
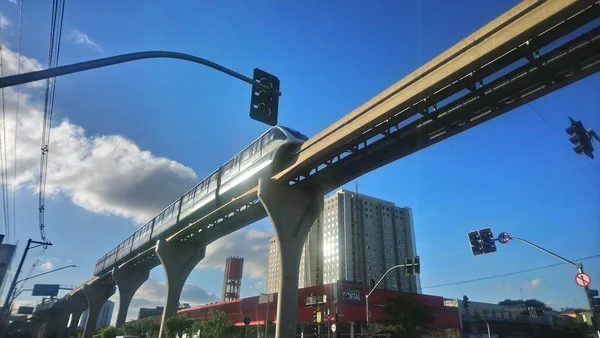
point(212, 185)
point(297, 134)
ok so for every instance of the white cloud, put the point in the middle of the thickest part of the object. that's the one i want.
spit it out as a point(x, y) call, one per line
point(152, 294)
point(13, 1)
point(106, 174)
point(252, 245)
point(80, 38)
point(534, 283)
point(4, 21)
point(10, 66)
point(47, 266)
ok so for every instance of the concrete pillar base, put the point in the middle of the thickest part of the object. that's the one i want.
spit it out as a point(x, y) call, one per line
point(128, 281)
point(178, 260)
point(292, 212)
point(96, 296)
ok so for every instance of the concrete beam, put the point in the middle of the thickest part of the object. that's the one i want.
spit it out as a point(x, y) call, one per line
point(178, 260)
point(292, 213)
point(96, 295)
point(525, 21)
point(128, 281)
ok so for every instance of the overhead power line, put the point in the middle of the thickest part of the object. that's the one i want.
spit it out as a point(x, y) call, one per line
point(505, 274)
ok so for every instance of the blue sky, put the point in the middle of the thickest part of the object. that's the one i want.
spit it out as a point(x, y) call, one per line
point(178, 122)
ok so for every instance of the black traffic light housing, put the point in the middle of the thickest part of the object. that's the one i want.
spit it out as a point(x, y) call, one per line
point(592, 295)
point(465, 302)
point(412, 266)
point(264, 104)
point(476, 244)
point(372, 284)
point(580, 138)
point(487, 240)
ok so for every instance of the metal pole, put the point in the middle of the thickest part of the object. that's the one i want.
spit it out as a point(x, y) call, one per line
point(546, 251)
point(11, 289)
point(47, 272)
point(267, 317)
point(14, 80)
point(375, 287)
point(579, 267)
point(459, 317)
point(486, 324)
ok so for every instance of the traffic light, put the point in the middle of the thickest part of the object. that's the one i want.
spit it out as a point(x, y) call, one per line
point(417, 264)
point(487, 240)
point(592, 294)
point(476, 244)
point(409, 268)
point(264, 104)
point(372, 283)
point(412, 266)
point(580, 138)
point(465, 302)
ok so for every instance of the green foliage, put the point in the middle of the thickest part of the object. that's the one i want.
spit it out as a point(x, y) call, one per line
point(177, 326)
point(216, 325)
point(109, 332)
point(406, 317)
point(147, 327)
point(527, 303)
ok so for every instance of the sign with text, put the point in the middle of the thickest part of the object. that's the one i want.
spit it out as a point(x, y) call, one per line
point(45, 290)
point(351, 295)
point(314, 300)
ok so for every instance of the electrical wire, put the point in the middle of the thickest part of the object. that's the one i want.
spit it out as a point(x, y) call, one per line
point(3, 151)
point(506, 274)
point(56, 24)
point(14, 185)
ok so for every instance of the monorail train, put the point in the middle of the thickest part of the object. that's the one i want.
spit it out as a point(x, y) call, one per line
point(262, 158)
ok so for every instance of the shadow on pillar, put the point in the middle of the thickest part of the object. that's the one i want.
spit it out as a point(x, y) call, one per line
point(96, 296)
point(292, 213)
point(76, 304)
point(178, 260)
point(128, 281)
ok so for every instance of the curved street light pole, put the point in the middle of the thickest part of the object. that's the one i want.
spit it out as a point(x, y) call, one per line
point(14, 80)
point(375, 287)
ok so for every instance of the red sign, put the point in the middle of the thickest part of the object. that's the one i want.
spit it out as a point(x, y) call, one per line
point(583, 279)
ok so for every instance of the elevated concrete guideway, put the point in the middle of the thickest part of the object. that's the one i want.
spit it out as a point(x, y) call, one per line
point(474, 81)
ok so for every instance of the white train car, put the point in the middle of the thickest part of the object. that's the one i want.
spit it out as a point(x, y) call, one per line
point(262, 158)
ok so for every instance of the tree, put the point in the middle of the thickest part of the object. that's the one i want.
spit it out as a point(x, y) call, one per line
point(147, 327)
point(216, 325)
point(406, 317)
point(177, 326)
point(527, 303)
point(109, 332)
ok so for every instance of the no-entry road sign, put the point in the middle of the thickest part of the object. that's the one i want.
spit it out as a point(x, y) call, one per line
point(583, 279)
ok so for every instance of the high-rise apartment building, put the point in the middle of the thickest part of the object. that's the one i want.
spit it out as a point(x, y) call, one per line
point(104, 316)
point(357, 238)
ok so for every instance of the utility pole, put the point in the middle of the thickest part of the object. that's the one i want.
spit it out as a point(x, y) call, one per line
point(11, 290)
point(504, 237)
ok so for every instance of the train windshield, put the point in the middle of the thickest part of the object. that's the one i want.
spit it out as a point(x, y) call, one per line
point(296, 133)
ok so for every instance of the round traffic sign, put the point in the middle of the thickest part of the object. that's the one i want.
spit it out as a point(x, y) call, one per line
point(333, 327)
point(583, 279)
point(247, 321)
point(504, 237)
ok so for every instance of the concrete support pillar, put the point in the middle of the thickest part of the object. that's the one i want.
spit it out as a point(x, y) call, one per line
point(96, 296)
point(34, 328)
point(128, 281)
point(178, 260)
point(72, 329)
point(61, 325)
point(292, 212)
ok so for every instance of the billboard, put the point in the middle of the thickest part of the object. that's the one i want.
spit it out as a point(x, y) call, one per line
point(45, 290)
point(25, 310)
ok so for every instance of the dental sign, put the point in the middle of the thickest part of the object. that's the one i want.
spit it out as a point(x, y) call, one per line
point(351, 295)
